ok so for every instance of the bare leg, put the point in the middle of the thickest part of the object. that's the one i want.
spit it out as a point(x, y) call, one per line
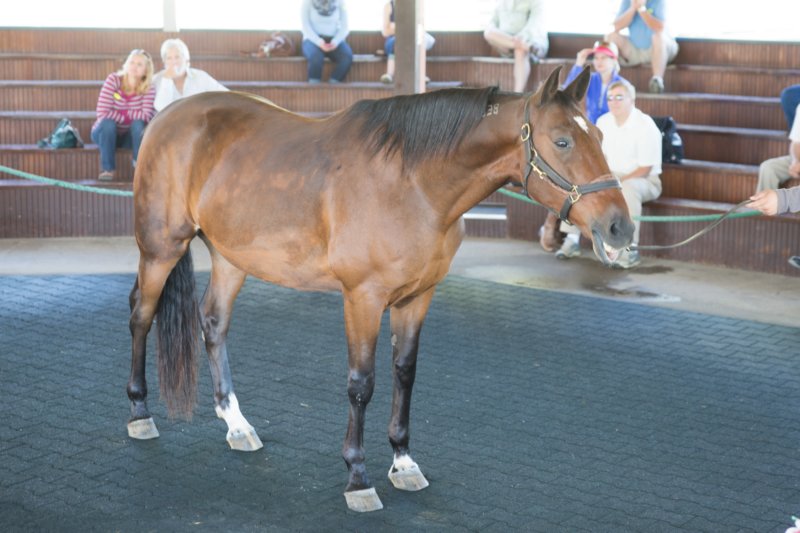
point(362, 317)
point(226, 281)
point(659, 55)
point(406, 323)
point(522, 68)
point(143, 299)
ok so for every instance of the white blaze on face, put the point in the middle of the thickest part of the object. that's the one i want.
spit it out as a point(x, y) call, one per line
point(582, 123)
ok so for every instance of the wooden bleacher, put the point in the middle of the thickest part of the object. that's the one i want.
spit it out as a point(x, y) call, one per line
point(723, 94)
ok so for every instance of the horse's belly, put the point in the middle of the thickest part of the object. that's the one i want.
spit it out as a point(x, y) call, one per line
point(285, 266)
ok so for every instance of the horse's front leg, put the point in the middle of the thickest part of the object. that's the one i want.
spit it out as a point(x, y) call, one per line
point(406, 321)
point(226, 281)
point(362, 315)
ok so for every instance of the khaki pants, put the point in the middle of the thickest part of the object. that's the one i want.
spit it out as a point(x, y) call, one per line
point(773, 172)
point(636, 191)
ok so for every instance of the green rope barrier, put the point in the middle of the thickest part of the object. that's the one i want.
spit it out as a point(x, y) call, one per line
point(512, 194)
point(649, 218)
point(64, 184)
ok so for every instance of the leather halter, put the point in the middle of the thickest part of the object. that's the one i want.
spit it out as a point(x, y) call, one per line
point(543, 170)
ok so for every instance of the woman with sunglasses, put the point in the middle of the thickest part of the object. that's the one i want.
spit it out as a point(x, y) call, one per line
point(605, 66)
point(124, 108)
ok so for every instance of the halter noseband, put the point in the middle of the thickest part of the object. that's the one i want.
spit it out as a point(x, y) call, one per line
point(543, 170)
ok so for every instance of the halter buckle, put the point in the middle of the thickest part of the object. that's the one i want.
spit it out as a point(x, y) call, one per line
point(526, 132)
point(574, 194)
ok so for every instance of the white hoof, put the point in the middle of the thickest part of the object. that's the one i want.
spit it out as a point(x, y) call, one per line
point(363, 501)
point(244, 440)
point(410, 479)
point(142, 429)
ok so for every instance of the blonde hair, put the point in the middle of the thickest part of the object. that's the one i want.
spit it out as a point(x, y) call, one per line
point(144, 84)
point(179, 45)
point(625, 84)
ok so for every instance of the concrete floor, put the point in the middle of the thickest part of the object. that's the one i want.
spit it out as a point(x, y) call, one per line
point(768, 298)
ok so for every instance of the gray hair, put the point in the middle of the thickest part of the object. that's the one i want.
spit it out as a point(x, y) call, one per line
point(625, 84)
point(183, 50)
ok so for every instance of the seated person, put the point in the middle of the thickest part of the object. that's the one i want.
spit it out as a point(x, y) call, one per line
point(388, 45)
point(518, 29)
point(606, 70)
point(325, 29)
point(124, 108)
point(648, 40)
point(178, 80)
point(772, 173)
point(632, 146)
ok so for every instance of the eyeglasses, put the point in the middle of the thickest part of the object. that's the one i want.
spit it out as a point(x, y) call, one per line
point(617, 97)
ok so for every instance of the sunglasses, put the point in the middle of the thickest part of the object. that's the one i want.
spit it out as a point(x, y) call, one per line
point(617, 97)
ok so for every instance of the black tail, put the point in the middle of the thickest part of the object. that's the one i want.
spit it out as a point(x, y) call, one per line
point(177, 342)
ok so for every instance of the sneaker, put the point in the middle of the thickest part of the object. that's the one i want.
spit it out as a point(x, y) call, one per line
point(656, 85)
point(569, 249)
point(106, 175)
point(387, 79)
point(628, 259)
point(795, 261)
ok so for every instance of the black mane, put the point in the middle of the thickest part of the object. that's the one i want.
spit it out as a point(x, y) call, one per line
point(420, 126)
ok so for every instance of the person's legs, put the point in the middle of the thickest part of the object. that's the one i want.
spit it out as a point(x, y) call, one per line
point(388, 47)
point(500, 40)
point(790, 99)
point(636, 191)
point(343, 57)
point(136, 134)
point(315, 57)
point(773, 172)
point(522, 68)
point(627, 52)
point(658, 58)
point(105, 137)
point(571, 246)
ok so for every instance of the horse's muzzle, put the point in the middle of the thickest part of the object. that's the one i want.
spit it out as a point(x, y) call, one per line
point(611, 237)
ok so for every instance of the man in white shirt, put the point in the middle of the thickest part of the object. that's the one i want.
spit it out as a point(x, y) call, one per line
point(177, 80)
point(632, 146)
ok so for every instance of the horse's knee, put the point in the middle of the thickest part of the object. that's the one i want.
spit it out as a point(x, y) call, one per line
point(360, 386)
point(212, 331)
point(404, 370)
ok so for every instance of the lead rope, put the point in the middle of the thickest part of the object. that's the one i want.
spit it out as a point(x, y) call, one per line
point(696, 235)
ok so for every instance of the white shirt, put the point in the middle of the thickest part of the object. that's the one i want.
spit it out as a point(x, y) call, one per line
point(636, 143)
point(197, 81)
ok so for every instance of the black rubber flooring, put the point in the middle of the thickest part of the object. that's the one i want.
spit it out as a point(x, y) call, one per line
point(533, 411)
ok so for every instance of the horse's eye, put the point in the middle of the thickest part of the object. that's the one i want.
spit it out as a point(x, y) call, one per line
point(563, 143)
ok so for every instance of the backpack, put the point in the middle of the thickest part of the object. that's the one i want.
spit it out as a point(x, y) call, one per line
point(671, 142)
point(65, 135)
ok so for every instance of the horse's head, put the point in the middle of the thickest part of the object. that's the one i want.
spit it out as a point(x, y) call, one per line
point(566, 170)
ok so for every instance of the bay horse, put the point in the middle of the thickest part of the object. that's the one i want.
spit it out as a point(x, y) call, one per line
point(367, 202)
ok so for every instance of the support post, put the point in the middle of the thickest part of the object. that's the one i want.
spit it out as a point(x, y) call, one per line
point(409, 47)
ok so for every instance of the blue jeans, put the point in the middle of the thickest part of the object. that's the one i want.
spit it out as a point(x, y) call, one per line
point(342, 56)
point(790, 98)
point(107, 139)
point(388, 46)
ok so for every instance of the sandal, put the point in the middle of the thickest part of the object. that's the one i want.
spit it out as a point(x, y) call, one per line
point(106, 175)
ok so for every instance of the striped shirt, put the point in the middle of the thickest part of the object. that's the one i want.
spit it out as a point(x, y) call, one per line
point(121, 107)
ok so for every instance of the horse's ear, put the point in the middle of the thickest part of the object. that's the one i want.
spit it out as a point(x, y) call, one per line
point(577, 89)
point(548, 89)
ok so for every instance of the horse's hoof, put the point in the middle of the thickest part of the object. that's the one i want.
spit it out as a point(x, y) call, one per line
point(408, 479)
point(142, 429)
point(363, 501)
point(244, 441)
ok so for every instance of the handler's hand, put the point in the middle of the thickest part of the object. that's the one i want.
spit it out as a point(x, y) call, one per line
point(765, 201)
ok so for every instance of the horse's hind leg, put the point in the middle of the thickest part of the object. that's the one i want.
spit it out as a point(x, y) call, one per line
point(226, 281)
point(143, 301)
point(362, 317)
point(406, 322)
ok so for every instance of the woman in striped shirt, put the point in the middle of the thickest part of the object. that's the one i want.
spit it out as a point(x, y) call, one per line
point(124, 108)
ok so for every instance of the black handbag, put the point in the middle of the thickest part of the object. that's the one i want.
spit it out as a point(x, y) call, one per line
point(671, 142)
point(65, 135)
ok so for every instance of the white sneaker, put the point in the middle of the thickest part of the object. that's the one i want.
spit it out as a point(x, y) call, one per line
point(569, 249)
point(628, 259)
